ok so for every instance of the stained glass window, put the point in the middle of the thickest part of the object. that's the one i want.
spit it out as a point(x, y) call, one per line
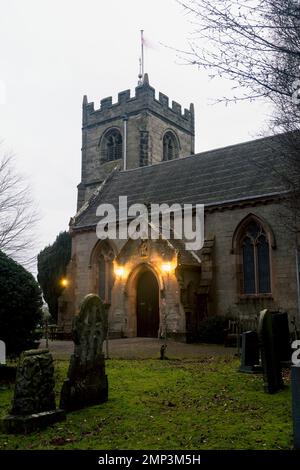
point(249, 266)
point(255, 253)
point(263, 257)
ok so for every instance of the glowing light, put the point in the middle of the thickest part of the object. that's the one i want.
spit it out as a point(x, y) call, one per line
point(64, 282)
point(166, 267)
point(120, 271)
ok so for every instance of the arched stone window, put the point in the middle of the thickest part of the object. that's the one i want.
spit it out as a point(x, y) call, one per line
point(170, 146)
point(253, 243)
point(102, 271)
point(111, 146)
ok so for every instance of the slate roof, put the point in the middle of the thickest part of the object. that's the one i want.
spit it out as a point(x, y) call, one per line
point(239, 172)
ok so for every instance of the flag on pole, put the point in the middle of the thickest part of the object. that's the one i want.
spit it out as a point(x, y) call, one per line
point(145, 43)
point(149, 44)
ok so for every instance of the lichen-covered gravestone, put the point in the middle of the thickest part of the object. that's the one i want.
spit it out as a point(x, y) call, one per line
point(86, 384)
point(33, 405)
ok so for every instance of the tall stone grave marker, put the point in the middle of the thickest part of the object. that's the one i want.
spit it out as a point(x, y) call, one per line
point(281, 333)
point(250, 353)
point(86, 383)
point(269, 353)
point(33, 405)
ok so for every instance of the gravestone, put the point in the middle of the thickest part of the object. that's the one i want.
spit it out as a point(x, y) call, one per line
point(250, 353)
point(269, 353)
point(295, 384)
point(33, 405)
point(86, 383)
point(2, 352)
point(281, 332)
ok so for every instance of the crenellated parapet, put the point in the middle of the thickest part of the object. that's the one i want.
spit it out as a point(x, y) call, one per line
point(143, 99)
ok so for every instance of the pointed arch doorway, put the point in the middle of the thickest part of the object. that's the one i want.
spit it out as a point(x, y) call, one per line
point(147, 307)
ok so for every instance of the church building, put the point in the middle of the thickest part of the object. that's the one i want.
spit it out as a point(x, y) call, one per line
point(143, 148)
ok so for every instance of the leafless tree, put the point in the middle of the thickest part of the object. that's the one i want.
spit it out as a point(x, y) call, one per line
point(18, 214)
point(256, 45)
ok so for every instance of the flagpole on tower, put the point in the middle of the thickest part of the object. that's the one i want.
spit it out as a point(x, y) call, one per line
point(142, 52)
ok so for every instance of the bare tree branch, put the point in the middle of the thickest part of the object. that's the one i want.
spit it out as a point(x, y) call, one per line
point(252, 42)
point(256, 45)
point(18, 214)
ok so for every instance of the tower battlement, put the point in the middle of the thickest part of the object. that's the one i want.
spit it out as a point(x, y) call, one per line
point(143, 99)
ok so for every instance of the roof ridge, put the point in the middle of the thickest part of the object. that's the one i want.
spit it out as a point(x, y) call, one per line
point(205, 152)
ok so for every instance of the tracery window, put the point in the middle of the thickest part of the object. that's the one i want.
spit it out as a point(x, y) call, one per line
point(255, 257)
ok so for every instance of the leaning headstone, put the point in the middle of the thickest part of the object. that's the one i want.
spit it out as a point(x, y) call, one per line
point(33, 405)
point(250, 353)
point(281, 333)
point(86, 384)
point(295, 383)
point(269, 353)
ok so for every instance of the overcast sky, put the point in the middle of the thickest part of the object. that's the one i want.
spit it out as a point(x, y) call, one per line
point(54, 51)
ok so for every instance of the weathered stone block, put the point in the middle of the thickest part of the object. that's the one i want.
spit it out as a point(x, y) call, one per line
point(34, 390)
point(33, 403)
point(14, 424)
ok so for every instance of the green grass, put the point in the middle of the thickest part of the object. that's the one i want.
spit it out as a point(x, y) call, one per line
point(196, 404)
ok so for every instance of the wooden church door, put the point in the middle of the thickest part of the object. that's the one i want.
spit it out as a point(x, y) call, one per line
point(147, 305)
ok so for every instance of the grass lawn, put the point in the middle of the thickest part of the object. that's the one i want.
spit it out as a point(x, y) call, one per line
point(182, 405)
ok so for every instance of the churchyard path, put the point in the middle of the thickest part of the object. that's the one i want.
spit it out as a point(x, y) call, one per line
point(143, 348)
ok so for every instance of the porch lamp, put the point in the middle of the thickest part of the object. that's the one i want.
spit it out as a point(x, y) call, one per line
point(166, 268)
point(119, 271)
point(64, 282)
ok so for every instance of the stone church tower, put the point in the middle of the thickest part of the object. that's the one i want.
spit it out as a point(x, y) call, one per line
point(136, 131)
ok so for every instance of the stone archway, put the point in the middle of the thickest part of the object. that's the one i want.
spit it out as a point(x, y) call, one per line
point(131, 293)
point(147, 305)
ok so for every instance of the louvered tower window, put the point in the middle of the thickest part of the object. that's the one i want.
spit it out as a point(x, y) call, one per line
point(170, 146)
point(111, 147)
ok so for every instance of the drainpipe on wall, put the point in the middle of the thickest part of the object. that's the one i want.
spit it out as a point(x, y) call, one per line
point(125, 119)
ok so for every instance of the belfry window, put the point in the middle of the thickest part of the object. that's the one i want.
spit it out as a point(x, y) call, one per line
point(170, 146)
point(255, 257)
point(111, 146)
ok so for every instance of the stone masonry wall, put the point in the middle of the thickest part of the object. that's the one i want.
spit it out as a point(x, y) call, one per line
point(222, 225)
point(225, 293)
